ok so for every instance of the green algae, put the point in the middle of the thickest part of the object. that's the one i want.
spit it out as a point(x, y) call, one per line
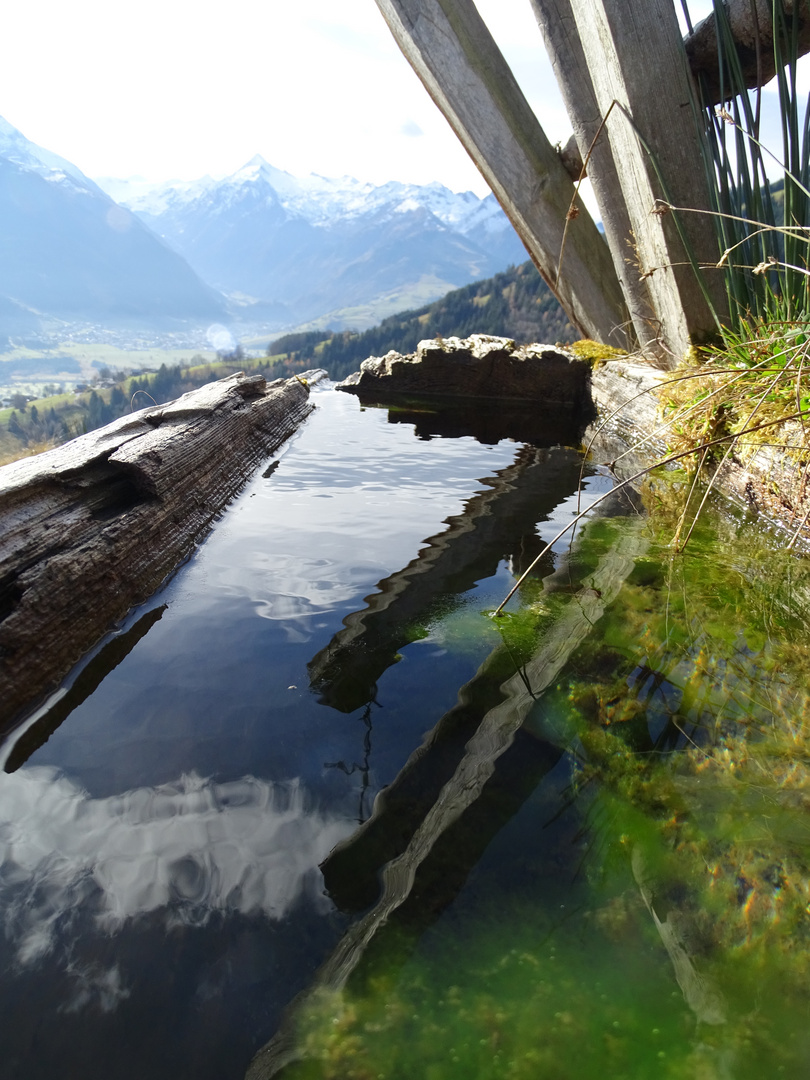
point(595, 352)
point(682, 946)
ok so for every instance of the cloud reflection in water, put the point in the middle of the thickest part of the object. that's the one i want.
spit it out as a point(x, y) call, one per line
point(188, 849)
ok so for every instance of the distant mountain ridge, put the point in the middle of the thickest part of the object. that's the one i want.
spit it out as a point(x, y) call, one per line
point(14, 147)
point(277, 244)
point(67, 251)
point(259, 250)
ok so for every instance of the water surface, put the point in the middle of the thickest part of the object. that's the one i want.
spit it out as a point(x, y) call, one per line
point(162, 824)
point(569, 842)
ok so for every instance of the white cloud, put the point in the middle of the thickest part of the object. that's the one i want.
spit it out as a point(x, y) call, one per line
point(180, 88)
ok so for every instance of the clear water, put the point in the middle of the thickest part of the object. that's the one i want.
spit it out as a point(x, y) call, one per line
point(572, 842)
point(162, 824)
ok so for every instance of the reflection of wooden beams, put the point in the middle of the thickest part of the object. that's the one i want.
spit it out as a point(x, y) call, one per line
point(347, 669)
point(493, 738)
point(351, 871)
point(39, 730)
point(699, 991)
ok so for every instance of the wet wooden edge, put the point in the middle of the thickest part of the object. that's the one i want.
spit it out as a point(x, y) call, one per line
point(92, 528)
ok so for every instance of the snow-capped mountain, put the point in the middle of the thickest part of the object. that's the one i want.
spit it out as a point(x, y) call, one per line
point(14, 147)
point(282, 249)
point(69, 251)
point(317, 199)
point(316, 244)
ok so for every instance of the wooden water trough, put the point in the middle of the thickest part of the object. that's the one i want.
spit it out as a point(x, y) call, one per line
point(92, 528)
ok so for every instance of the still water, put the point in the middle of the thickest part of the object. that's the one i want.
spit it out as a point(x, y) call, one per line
point(161, 826)
point(589, 853)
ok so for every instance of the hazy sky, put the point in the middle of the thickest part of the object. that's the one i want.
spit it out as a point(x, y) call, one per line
point(179, 88)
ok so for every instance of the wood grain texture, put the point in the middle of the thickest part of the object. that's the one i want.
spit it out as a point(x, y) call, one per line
point(630, 52)
point(559, 31)
point(457, 60)
point(93, 527)
point(748, 19)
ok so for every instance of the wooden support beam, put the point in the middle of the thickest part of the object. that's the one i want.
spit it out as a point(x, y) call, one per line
point(570, 67)
point(457, 60)
point(748, 20)
point(630, 52)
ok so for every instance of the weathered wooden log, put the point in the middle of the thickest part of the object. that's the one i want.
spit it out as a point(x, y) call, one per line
point(93, 527)
point(751, 24)
point(453, 53)
point(625, 52)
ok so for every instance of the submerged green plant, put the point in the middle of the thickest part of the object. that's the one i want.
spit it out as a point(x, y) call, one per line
point(682, 949)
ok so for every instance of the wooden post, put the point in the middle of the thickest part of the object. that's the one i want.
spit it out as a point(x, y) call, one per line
point(457, 60)
point(568, 59)
point(631, 52)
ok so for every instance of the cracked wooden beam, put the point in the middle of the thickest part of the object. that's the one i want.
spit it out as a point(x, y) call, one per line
point(625, 52)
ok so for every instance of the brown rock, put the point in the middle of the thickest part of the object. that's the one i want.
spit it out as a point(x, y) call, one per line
point(475, 367)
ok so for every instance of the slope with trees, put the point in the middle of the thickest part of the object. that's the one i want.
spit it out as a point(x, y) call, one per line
point(516, 303)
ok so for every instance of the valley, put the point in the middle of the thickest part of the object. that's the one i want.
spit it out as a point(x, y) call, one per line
point(259, 252)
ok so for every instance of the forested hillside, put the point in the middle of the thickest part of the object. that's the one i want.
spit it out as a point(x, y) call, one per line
point(516, 304)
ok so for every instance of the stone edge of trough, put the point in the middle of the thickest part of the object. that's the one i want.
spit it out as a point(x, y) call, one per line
point(625, 395)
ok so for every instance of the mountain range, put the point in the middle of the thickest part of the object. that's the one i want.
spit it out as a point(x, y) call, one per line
point(69, 252)
point(279, 246)
point(259, 249)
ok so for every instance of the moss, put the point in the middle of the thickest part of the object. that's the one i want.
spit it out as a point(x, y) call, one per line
point(687, 713)
point(594, 351)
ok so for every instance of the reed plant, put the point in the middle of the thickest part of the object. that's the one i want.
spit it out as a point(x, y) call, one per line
point(753, 388)
point(762, 224)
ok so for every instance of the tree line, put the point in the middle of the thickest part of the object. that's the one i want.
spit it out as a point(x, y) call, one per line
point(516, 303)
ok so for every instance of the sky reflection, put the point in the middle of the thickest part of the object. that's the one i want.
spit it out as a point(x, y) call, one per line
point(185, 850)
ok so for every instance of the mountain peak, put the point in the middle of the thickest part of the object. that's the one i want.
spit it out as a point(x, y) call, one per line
point(258, 161)
point(16, 148)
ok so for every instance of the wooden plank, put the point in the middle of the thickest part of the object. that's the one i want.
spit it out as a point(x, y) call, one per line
point(568, 60)
point(456, 58)
point(631, 52)
point(92, 528)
